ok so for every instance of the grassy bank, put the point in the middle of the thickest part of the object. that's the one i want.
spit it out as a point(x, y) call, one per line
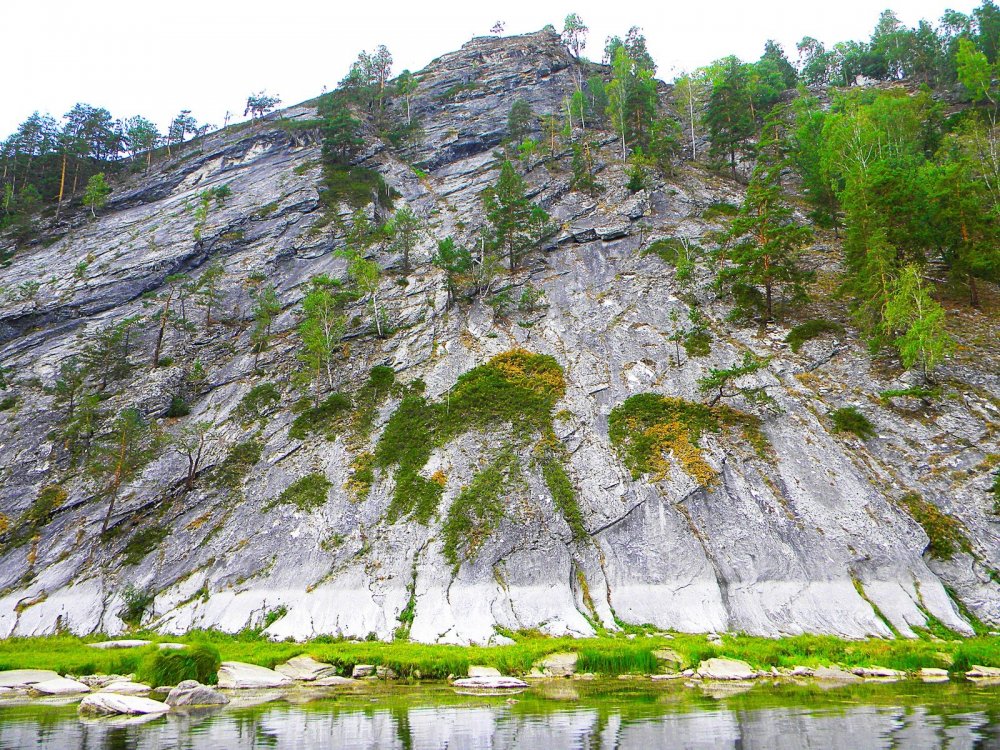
point(604, 656)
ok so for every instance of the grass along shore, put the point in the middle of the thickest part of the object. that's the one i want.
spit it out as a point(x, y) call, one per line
point(608, 656)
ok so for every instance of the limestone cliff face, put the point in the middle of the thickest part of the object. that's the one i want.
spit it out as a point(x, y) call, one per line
point(813, 538)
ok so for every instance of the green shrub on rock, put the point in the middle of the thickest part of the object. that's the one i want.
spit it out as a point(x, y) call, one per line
point(169, 667)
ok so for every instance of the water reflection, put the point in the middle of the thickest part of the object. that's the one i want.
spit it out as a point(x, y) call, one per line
point(641, 720)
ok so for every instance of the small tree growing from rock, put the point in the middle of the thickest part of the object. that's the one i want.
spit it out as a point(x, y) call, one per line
point(121, 454)
point(725, 383)
point(96, 193)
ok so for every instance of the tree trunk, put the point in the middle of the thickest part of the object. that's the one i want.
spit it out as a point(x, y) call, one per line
point(973, 292)
point(62, 185)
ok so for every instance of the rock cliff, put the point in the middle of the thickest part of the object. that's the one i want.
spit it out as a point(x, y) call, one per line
point(816, 532)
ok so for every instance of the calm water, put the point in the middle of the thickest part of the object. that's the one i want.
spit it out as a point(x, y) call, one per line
point(592, 716)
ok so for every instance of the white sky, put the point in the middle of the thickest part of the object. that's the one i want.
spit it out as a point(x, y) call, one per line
point(154, 59)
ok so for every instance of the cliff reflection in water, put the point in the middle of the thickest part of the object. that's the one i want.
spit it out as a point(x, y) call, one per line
point(493, 724)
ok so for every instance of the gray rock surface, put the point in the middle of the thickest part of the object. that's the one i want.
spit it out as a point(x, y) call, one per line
point(813, 539)
point(109, 704)
point(124, 643)
point(480, 671)
point(305, 668)
point(193, 693)
point(335, 681)
point(362, 670)
point(59, 686)
point(21, 678)
point(490, 683)
point(725, 669)
point(126, 687)
point(559, 665)
point(235, 675)
point(835, 674)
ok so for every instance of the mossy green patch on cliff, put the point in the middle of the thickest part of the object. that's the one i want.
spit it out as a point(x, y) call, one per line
point(649, 429)
point(306, 494)
point(477, 511)
point(945, 534)
point(516, 390)
point(811, 329)
point(239, 460)
point(327, 418)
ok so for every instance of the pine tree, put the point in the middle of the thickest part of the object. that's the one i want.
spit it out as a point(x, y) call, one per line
point(404, 231)
point(761, 246)
point(121, 454)
point(207, 292)
point(456, 262)
point(265, 308)
point(516, 225)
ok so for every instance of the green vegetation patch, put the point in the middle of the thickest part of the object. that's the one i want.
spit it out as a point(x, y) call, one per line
point(563, 495)
point(306, 494)
point(329, 418)
point(254, 406)
point(622, 659)
point(239, 460)
point(811, 329)
point(648, 429)
point(944, 532)
point(381, 382)
point(168, 667)
point(608, 656)
point(995, 491)
point(517, 388)
point(915, 391)
point(362, 476)
point(143, 542)
point(719, 209)
point(477, 511)
point(850, 419)
point(36, 516)
point(355, 186)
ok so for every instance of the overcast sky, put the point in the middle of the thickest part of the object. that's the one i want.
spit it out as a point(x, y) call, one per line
point(135, 57)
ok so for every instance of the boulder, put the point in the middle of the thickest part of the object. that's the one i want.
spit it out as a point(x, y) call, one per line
point(880, 672)
point(979, 672)
point(932, 674)
point(305, 668)
point(668, 655)
point(236, 675)
point(110, 704)
point(490, 683)
point(385, 673)
point(193, 693)
point(126, 643)
point(559, 665)
point(59, 686)
point(22, 678)
point(478, 671)
point(725, 669)
point(668, 676)
point(98, 681)
point(126, 687)
point(834, 674)
point(334, 681)
point(362, 670)
point(171, 646)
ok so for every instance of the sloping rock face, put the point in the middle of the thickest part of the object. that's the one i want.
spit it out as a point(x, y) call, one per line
point(812, 538)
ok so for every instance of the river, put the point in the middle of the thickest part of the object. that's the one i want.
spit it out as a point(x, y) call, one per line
point(603, 715)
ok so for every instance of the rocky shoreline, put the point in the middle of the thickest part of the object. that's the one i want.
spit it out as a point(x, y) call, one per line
point(247, 684)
